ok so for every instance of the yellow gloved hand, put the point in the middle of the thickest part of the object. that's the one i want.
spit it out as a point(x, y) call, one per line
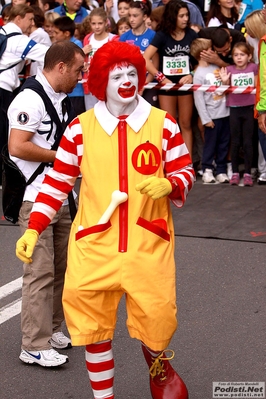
point(26, 244)
point(155, 187)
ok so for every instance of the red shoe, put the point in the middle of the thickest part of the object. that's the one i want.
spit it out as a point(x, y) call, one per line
point(165, 383)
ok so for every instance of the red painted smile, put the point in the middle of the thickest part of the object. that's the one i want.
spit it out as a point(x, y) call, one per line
point(127, 92)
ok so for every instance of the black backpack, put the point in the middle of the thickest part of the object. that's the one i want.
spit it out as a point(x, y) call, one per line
point(13, 180)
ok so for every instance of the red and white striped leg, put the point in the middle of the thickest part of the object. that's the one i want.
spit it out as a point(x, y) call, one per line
point(100, 366)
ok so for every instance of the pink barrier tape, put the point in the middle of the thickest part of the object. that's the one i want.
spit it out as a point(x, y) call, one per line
point(206, 88)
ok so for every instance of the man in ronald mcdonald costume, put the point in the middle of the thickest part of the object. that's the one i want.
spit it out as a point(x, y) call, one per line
point(133, 155)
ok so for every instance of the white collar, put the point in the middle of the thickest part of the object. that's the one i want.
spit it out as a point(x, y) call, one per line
point(135, 120)
point(11, 27)
point(58, 97)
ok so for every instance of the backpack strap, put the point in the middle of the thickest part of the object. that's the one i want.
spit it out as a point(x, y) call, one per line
point(33, 84)
point(11, 34)
point(29, 46)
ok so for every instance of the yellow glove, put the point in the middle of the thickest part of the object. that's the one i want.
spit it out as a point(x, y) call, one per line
point(155, 187)
point(26, 244)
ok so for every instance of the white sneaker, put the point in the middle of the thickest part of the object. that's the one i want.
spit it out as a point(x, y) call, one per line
point(207, 176)
point(46, 358)
point(60, 341)
point(200, 172)
point(262, 179)
point(222, 178)
point(229, 170)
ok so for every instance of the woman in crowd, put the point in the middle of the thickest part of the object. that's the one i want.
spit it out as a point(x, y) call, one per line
point(172, 43)
point(255, 29)
point(222, 12)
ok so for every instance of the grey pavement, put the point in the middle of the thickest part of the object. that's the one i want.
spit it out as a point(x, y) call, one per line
point(221, 295)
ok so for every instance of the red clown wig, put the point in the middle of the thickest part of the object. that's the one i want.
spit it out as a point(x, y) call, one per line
point(109, 56)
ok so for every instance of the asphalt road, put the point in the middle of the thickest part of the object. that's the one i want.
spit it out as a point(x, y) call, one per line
point(221, 295)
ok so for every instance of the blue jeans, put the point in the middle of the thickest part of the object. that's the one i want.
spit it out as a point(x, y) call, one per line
point(216, 145)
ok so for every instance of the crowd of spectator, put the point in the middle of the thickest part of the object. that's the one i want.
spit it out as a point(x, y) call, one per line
point(213, 125)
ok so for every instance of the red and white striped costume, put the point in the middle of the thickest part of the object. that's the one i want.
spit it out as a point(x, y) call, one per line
point(133, 253)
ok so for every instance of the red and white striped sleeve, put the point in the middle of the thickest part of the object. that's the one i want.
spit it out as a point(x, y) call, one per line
point(177, 163)
point(60, 180)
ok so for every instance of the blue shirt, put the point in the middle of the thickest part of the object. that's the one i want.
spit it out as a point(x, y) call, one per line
point(78, 91)
point(251, 5)
point(80, 14)
point(142, 41)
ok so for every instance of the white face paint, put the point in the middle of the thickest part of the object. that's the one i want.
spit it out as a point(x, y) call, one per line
point(122, 89)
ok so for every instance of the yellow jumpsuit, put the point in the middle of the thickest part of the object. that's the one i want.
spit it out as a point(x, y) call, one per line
point(132, 254)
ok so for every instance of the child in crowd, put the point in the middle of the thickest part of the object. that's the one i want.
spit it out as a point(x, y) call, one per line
point(148, 22)
point(64, 29)
point(113, 10)
point(47, 5)
point(98, 36)
point(123, 8)
point(242, 74)
point(39, 35)
point(79, 31)
point(122, 25)
point(86, 26)
point(111, 25)
point(139, 34)
point(5, 14)
point(48, 26)
point(156, 17)
point(214, 115)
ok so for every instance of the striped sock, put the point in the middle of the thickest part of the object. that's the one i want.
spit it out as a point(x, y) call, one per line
point(100, 366)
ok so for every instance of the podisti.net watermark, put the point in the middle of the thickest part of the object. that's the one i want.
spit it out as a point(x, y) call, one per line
point(238, 390)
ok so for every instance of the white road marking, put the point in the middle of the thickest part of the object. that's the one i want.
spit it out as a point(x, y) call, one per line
point(14, 308)
point(11, 287)
point(10, 310)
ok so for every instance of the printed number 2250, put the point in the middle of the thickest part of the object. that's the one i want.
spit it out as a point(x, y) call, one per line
point(243, 82)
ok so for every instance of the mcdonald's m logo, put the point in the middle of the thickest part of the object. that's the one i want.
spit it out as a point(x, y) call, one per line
point(146, 158)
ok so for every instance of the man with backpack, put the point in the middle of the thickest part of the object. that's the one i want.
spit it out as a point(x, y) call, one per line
point(18, 48)
point(33, 132)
